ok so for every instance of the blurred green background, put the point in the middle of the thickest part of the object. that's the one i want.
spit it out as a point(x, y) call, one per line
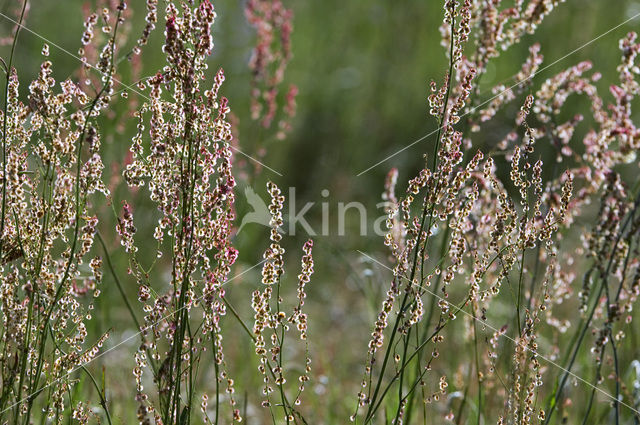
point(362, 68)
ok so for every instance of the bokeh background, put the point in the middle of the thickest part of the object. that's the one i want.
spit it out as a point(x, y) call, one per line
point(362, 68)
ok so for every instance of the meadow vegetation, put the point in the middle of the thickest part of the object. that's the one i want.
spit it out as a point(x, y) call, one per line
point(501, 292)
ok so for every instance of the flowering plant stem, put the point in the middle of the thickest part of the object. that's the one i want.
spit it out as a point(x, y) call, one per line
point(581, 331)
point(419, 248)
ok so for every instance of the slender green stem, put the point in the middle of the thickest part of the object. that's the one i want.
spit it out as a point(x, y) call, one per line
point(248, 331)
point(463, 402)
point(216, 368)
point(477, 360)
point(101, 393)
point(427, 320)
point(520, 281)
